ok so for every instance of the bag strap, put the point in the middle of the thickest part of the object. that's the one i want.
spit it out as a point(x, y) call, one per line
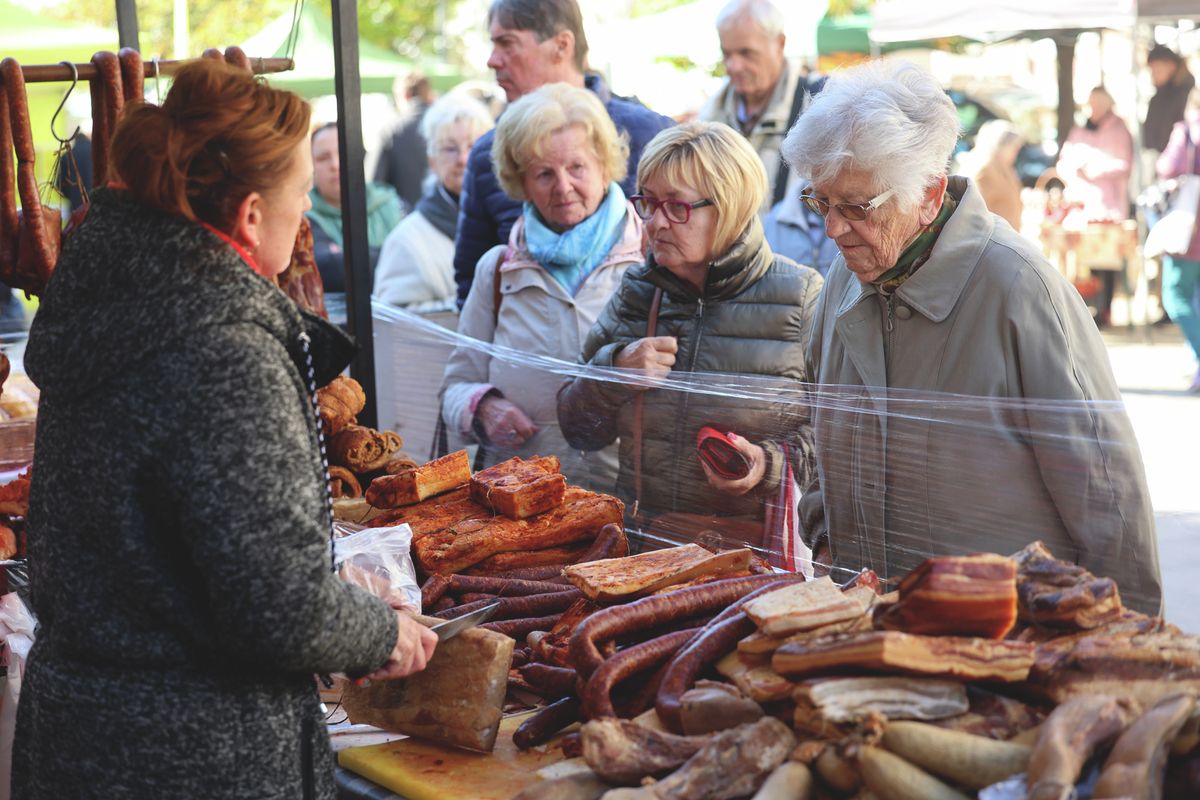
point(639, 404)
point(496, 296)
point(783, 171)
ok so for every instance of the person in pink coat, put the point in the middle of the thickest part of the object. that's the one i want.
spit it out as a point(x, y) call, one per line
point(1096, 161)
point(1094, 164)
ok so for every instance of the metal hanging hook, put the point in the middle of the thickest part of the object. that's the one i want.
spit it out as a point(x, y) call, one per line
point(62, 105)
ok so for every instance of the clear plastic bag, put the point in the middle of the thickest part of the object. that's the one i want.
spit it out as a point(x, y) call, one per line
point(378, 560)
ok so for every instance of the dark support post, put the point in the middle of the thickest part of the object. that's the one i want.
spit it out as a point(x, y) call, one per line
point(1066, 86)
point(348, 85)
point(127, 24)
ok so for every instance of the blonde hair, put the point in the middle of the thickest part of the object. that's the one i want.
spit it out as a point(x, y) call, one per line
point(719, 164)
point(522, 132)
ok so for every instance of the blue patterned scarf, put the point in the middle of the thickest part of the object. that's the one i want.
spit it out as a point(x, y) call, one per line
point(571, 256)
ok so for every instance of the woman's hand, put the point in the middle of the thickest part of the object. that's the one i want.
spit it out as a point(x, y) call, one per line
point(755, 456)
point(654, 356)
point(504, 423)
point(414, 647)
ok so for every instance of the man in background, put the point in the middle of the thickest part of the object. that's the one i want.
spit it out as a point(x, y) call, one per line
point(402, 161)
point(1172, 83)
point(763, 94)
point(534, 42)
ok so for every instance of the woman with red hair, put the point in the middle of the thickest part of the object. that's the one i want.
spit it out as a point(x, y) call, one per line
point(180, 554)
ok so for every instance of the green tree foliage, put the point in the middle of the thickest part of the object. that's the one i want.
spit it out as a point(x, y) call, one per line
point(410, 27)
point(641, 7)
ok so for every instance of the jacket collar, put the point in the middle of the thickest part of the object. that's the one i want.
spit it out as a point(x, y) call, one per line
point(935, 288)
point(775, 115)
point(729, 275)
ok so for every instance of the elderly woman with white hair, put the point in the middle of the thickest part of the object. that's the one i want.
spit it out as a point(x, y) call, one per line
point(965, 343)
point(711, 299)
point(416, 264)
point(558, 151)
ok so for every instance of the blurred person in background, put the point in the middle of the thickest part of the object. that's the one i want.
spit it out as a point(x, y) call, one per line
point(1172, 84)
point(796, 231)
point(763, 93)
point(416, 264)
point(951, 323)
point(557, 150)
point(534, 42)
point(1181, 272)
point(384, 211)
point(724, 304)
point(401, 161)
point(991, 164)
point(1094, 164)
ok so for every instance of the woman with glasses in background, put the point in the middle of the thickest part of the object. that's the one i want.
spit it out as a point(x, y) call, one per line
point(721, 302)
point(557, 150)
point(416, 264)
point(939, 326)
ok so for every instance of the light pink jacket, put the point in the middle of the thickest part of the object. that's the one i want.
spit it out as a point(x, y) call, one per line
point(1173, 162)
point(1095, 167)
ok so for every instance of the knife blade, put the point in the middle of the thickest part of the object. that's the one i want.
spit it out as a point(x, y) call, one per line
point(451, 628)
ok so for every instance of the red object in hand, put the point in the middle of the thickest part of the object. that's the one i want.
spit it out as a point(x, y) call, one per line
point(721, 454)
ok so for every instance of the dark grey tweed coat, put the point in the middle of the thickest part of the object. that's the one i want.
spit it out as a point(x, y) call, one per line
point(178, 528)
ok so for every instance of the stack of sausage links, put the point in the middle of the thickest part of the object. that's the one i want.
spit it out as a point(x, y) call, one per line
point(978, 671)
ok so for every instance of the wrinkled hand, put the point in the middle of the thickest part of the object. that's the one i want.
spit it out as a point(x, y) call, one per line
point(504, 423)
point(822, 559)
point(755, 456)
point(415, 644)
point(654, 356)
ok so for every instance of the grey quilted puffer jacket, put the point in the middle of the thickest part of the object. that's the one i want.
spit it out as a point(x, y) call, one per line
point(753, 319)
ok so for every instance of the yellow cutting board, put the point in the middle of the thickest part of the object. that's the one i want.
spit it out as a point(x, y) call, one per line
point(421, 770)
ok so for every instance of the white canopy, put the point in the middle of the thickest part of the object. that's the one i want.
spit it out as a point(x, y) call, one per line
point(988, 20)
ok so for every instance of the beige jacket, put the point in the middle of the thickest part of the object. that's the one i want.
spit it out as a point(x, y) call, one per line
point(985, 417)
point(538, 320)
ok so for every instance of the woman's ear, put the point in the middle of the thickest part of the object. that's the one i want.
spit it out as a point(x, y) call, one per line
point(931, 203)
point(247, 228)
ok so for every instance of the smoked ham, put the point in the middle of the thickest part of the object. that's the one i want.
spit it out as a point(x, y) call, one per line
point(1058, 594)
point(905, 653)
point(462, 544)
point(622, 578)
point(957, 596)
point(518, 489)
point(803, 606)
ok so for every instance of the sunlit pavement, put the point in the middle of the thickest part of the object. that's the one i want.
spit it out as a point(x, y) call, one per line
point(1153, 368)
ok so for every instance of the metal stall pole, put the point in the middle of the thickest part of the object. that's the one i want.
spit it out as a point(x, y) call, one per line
point(127, 23)
point(348, 86)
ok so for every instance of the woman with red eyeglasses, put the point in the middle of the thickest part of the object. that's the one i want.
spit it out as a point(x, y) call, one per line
point(712, 307)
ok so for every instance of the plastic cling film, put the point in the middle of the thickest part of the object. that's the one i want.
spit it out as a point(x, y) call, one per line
point(887, 477)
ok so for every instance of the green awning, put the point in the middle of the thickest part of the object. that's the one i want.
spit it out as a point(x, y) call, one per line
point(313, 53)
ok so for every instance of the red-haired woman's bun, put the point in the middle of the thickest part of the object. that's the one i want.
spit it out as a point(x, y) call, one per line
point(220, 135)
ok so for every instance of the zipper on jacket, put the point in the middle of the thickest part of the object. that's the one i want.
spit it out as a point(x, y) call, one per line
point(891, 333)
point(679, 438)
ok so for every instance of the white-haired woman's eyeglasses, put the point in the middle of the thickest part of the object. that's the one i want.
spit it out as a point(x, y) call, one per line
point(855, 212)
